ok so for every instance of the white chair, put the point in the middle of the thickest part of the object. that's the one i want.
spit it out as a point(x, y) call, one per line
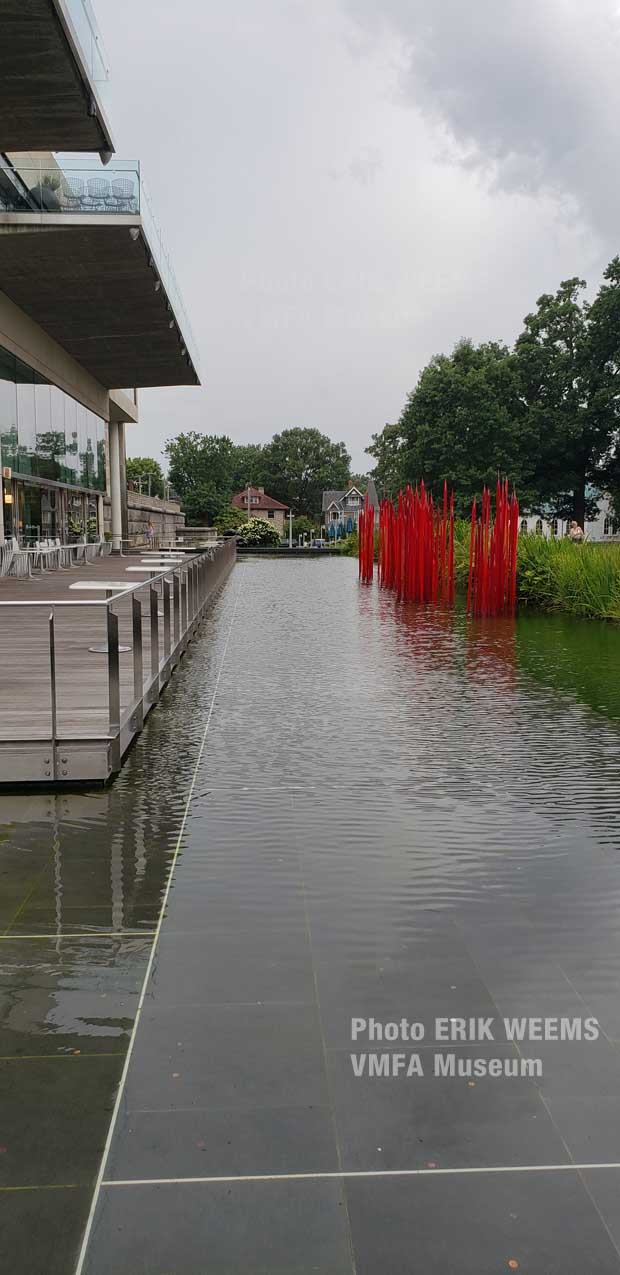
point(6, 557)
point(21, 561)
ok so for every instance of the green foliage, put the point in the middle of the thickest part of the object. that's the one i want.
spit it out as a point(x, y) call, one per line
point(248, 466)
point(581, 578)
point(143, 467)
point(546, 413)
point(302, 463)
point(203, 505)
point(201, 461)
point(570, 432)
point(229, 519)
point(387, 449)
point(207, 470)
point(349, 547)
point(302, 525)
point(464, 422)
point(258, 532)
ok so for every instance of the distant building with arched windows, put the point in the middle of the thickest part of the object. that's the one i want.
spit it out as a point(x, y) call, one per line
point(605, 527)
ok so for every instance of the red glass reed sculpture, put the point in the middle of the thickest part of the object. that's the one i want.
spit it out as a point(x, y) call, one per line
point(416, 546)
point(366, 541)
point(492, 581)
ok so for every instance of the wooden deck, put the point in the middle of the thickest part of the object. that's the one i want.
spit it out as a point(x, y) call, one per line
point(82, 684)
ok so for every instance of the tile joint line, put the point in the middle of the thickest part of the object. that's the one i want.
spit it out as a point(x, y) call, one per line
point(360, 1173)
point(121, 1088)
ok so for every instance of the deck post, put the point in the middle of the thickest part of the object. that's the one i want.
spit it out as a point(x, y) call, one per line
point(138, 670)
point(114, 691)
point(52, 641)
point(154, 609)
point(176, 581)
point(165, 584)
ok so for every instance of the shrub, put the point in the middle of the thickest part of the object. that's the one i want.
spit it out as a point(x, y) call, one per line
point(230, 519)
point(258, 532)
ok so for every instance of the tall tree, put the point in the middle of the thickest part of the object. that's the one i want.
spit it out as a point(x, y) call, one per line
point(142, 468)
point(465, 423)
point(201, 460)
point(553, 355)
point(248, 465)
point(300, 464)
point(604, 342)
point(386, 448)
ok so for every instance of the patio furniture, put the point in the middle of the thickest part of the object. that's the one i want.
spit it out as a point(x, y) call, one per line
point(124, 192)
point(21, 561)
point(72, 189)
point(79, 550)
point(6, 557)
point(99, 195)
point(47, 554)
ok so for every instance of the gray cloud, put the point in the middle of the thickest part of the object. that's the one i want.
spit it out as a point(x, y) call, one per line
point(529, 90)
point(348, 186)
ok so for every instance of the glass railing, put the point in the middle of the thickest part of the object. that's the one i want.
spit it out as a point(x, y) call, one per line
point(85, 26)
point(76, 187)
point(166, 273)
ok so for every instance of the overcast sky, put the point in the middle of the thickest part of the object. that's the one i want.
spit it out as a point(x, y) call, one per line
point(349, 186)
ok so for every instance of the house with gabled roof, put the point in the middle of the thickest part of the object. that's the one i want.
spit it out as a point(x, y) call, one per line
point(341, 509)
point(262, 506)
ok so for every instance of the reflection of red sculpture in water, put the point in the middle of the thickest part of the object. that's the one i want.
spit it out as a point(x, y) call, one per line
point(492, 583)
point(416, 547)
point(366, 542)
point(491, 657)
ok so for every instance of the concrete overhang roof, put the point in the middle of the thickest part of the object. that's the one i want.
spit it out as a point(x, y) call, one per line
point(92, 283)
point(49, 99)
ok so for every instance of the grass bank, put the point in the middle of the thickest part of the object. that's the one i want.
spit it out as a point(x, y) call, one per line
point(557, 575)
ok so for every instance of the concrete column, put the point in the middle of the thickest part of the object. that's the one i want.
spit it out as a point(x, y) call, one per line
point(1, 501)
point(123, 473)
point(115, 486)
point(100, 521)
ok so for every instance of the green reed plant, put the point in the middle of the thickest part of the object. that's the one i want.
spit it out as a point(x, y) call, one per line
point(581, 578)
point(557, 574)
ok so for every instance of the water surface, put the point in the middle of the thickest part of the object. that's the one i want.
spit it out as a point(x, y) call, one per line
point(396, 812)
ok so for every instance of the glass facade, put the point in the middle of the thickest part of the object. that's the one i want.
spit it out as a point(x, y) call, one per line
point(44, 433)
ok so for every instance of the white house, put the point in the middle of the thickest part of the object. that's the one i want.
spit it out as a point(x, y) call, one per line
point(605, 527)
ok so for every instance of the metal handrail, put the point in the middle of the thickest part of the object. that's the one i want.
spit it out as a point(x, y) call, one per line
point(185, 589)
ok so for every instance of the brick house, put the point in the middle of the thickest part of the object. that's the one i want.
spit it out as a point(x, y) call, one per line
point(262, 506)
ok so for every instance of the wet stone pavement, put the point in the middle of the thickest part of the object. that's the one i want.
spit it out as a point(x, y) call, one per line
point(393, 814)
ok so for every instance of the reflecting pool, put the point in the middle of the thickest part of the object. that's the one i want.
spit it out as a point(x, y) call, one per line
point(380, 812)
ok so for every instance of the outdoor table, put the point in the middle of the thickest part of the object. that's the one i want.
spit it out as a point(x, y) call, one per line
point(153, 569)
point(40, 553)
point(110, 587)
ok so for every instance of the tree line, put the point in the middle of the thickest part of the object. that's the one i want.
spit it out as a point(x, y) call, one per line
point(544, 412)
point(207, 470)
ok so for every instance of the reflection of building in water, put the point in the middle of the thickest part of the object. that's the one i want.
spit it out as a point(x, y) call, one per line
point(99, 864)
